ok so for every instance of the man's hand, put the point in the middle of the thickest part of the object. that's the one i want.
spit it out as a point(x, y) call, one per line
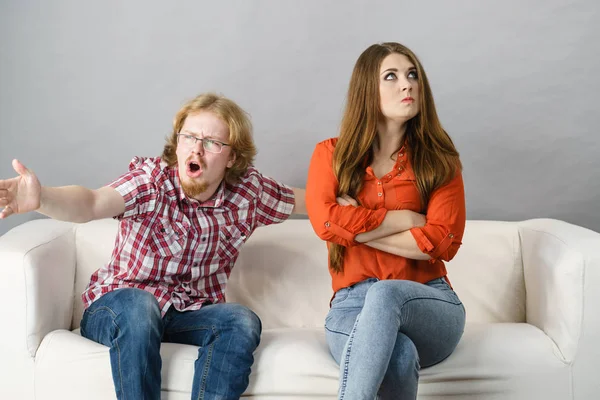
point(20, 194)
point(346, 200)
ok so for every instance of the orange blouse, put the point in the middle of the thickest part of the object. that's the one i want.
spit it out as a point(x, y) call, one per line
point(440, 238)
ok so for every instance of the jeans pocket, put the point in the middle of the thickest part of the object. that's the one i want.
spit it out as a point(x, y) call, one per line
point(443, 286)
point(340, 296)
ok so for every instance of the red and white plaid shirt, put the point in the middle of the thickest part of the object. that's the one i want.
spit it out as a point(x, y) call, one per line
point(180, 250)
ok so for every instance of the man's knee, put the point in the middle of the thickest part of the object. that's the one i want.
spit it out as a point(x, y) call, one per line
point(138, 309)
point(243, 321)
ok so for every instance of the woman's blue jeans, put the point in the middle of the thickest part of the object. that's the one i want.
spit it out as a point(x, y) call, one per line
point(130, 323)
point(382, 332)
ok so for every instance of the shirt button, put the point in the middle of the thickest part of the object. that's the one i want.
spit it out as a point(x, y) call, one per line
point(327, 224)
point(389, 176)
point(379, 194)
point(198, 209)
point(204, 238)
point(401, 155)
point(450, 235)
point(195, 264)
point(379, 183)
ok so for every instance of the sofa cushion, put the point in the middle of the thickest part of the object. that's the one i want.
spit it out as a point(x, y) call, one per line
point(287, 264)
point(94, 244)
point(487, 272)
point(492, 361)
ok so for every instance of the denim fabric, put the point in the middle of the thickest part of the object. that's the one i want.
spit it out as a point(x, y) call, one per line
point(382, 332)
point(129, 322)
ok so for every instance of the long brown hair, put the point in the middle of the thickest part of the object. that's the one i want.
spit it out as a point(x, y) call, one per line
point(240, 131)
point(432, 154)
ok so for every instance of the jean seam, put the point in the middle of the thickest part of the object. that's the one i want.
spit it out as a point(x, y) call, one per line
point(430, 298)
point(119, 358)
point(101, 308)
point(202, 390)
point(118, 348)
point(199, 328)
point(338, 332)
point(347, 359)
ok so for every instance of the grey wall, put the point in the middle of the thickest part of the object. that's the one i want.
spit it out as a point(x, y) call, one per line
point(85, 86)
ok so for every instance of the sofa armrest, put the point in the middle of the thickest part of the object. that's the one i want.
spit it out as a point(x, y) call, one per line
point(561, 265)
point(38, 264)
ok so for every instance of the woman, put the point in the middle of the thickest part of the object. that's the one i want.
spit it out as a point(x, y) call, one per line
point(387, 195)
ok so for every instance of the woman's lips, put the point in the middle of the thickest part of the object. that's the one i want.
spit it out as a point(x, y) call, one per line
point(408, 100)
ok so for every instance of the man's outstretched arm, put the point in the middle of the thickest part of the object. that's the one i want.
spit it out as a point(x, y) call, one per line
point(24, 193)
point(300, 201)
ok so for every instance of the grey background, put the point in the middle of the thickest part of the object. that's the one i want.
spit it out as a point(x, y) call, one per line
point(85, 86)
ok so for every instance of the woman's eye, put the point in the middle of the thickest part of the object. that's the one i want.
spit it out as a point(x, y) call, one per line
point(412, 75)
point(390, 76)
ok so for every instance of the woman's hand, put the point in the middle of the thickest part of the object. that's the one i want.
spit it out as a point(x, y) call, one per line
point(418, 219)
point(346, 200)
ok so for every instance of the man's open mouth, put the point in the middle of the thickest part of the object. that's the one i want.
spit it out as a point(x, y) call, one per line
point(194, 166)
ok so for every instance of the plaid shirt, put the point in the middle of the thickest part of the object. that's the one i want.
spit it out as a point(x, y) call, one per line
point(180, 250)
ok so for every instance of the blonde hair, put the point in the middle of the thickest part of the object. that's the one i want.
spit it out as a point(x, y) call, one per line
point(240, 131)
point(433, 156)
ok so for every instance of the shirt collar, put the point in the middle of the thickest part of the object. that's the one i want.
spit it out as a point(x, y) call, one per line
point(400, 163)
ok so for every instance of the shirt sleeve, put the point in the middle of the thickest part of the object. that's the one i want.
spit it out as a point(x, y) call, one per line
point(275, 201)
point(137, 188)
point(330, 221)
point(441, 236)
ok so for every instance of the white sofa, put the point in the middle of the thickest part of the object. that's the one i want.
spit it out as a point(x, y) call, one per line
point(531, 290)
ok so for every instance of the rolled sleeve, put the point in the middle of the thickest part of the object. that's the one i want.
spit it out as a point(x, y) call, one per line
point(330, 221)
point(345, 233)
point(137, 188)
point(275, 200)
point(441, 236)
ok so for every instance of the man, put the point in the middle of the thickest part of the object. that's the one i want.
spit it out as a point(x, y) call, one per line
point(183, 218)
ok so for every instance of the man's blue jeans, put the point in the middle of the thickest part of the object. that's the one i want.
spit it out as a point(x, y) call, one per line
point(382, 332)
point(130, 323)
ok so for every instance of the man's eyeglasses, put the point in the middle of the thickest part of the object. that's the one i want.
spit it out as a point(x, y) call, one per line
point(210, 145)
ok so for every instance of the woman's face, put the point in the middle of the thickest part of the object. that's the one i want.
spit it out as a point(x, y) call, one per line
point(398, 88)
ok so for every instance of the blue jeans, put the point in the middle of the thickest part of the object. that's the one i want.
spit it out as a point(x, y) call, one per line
point(130, 323)
point(382, 332)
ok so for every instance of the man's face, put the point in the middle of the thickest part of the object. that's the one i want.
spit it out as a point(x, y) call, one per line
point(201, 171)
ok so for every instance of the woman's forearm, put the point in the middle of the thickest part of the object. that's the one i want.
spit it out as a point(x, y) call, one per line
point(401, 244)
point(395, 221)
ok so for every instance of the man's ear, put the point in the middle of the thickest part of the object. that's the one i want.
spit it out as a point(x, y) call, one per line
point(232, 158)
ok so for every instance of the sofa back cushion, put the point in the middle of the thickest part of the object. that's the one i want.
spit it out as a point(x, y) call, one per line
point(487, 272)
point(282, 274)
point(94, 242)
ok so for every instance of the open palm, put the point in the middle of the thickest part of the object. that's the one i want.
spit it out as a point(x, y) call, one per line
point(20, 194)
